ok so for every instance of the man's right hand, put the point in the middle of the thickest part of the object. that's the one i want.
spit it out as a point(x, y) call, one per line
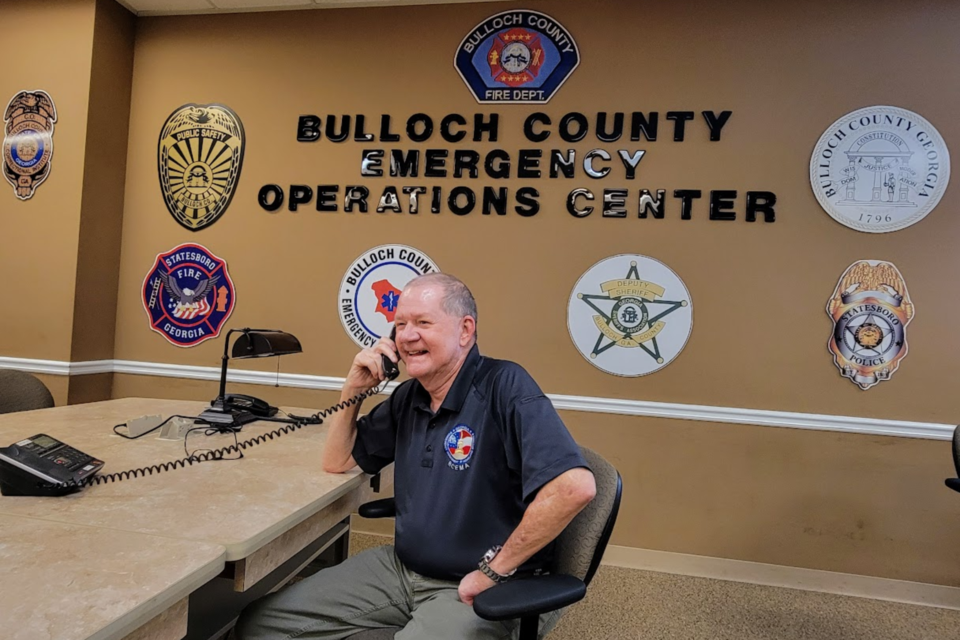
point(366, 371)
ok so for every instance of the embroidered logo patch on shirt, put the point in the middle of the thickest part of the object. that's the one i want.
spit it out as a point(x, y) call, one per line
point(459, 445)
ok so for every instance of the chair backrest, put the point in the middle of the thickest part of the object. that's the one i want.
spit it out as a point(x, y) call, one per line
point(581, 545)
point(956, 449)
point(20, 391)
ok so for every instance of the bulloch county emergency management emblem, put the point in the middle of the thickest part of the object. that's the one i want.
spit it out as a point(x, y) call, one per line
point(870, 310)
point(199, 159)
point(188, 295)
point(371, 288)
point(459, 445)
point(516, 56)
point(28, 141)
point(879, 169)
point(629, 315)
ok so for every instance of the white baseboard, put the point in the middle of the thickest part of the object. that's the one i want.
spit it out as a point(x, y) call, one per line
point(773, 575)
point(702, 413)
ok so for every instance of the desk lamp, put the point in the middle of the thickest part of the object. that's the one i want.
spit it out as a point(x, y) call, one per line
point(252, 343)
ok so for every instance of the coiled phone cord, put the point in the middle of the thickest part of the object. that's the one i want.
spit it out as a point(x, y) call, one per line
point(298, 422)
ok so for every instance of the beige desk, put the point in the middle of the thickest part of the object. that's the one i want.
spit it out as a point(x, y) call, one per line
point(261, 509)
point(71, 582)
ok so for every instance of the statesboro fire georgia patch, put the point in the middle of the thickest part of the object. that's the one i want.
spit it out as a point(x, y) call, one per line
point(200, 155)
point(28, 141)
point(188, 295)
point(516, 57)
point(870, 309)
point(630, 315)
point(370, 289)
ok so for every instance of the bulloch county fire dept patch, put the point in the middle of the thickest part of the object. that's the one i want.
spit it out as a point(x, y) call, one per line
point(870, 309)
point(880, 169)
point(28, 141)
point(371, 288)
point(516, 57)
point(630, 315)
point(188, 295)
point(199, 160)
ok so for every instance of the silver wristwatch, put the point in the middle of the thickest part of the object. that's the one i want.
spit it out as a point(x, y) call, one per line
point(484, 565)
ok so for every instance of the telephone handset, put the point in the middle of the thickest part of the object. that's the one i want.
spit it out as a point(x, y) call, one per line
point(25, 465)
point(390, 368)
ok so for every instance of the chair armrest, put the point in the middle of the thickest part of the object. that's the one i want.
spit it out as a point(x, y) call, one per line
point(384, 508)
point(529, 596)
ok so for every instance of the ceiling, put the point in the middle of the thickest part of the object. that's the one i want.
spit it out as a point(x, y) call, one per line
point(175, 7)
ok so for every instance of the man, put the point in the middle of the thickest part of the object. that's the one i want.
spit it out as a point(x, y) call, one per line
point(482, 460)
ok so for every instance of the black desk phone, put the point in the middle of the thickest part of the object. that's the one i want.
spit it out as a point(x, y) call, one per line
point(256, 406)
point(29, 464)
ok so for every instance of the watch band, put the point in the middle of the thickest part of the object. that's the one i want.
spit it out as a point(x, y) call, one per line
point(485, 568)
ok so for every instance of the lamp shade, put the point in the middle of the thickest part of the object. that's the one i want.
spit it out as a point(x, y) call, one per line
point(258, 343)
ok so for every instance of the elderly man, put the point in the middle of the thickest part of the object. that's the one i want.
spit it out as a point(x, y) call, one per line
point(486, 477)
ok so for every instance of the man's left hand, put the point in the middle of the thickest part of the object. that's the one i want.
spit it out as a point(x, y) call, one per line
point(473, 584)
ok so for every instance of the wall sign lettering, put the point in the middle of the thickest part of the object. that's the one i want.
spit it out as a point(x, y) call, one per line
point(621, 163)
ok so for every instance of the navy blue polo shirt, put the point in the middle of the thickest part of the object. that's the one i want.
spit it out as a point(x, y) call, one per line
point(465, 475)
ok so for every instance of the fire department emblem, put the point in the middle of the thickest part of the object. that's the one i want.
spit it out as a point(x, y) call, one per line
point(28, 141)
point(199, 159)
point(459, 445)
point(630, 315)
point(370, 289)
point(516, 57)
point(188, 295)
point(870, 309)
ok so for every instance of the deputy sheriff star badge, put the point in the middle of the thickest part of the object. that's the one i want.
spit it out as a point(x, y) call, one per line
point(630, 321)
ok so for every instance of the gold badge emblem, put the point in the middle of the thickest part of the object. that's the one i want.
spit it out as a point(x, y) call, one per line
point(870, 309)
point(199, 159)
point(28, 141)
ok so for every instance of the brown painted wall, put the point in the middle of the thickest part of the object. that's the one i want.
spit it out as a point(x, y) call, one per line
point(94, 313)
point(54, 40)
point(855, 503)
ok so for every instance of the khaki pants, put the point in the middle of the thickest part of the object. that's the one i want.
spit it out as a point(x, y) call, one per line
point(372, 590)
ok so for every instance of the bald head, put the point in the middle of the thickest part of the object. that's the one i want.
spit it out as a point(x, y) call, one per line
point(457, 300)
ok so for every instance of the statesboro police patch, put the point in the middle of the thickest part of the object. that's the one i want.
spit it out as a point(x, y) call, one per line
point(28, 141)
point(879, 169)
point(629, 315)
point(371, 288)
point(516, 56)
point(200, 155)
point(870, 309)
point(188, 295)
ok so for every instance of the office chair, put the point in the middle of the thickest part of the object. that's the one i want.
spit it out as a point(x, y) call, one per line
point(954, 483)
point(579, 549)
point(20, 391)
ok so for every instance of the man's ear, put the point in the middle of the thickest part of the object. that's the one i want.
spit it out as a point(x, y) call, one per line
point(468, 328)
